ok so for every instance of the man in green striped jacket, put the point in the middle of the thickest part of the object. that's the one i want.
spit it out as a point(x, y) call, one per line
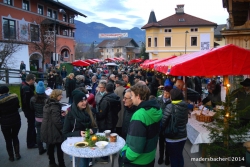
point(143, 130)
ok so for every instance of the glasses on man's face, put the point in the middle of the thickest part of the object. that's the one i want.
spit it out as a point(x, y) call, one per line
point(125, 98)
point(100, 87)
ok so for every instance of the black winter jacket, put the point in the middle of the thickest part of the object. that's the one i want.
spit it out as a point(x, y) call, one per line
point(26, 92)
point(128, 113)
point(181, 115)
point(52, 125)
point(37, 107)
point(75, 122)
point(105, 118)
point(70, 86)
point(9, 105)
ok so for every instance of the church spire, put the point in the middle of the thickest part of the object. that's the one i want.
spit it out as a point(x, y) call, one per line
point(152, 18)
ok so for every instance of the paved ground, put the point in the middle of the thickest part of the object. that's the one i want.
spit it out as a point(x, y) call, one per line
point(31, 158)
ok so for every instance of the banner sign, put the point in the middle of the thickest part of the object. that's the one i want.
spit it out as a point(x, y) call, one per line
point(205, 41)
point(113, 35)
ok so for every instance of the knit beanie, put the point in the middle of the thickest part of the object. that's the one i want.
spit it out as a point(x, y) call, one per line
point(4, 89)
point(176, 94)
point(78, 96)
point(40, 89)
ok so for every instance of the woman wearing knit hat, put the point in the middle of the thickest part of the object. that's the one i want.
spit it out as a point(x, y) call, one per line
point(78, 119)
point(10, 121)
point(51, 129)
point(37, 103)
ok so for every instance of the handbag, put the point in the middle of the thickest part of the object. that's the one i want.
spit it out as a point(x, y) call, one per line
point(171, 130)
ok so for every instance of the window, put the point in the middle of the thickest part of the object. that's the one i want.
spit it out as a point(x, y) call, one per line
point(65, 32)
point(49, 13)
point(9, 29)
point(117, 50)
point(149, 42)
point(168, 30)
point(65, 18)
point(193, 41)
point(65, 54)
point(181, 20)
point(71, 19)
point(9, 2)
point(194, 29)
point(26, 5)
point(167, 41)
point(155, 42)
point(40, 9)
point(107, 50)
point(34, 32)
point(54, 16)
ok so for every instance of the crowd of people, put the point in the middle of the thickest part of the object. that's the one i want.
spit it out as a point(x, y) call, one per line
point(121, 99)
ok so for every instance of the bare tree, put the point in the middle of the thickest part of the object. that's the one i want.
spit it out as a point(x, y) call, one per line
point(7, 49)
point(79, 54)
point(44, 44)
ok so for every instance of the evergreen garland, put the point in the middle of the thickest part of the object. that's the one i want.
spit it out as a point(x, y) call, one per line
point(227, 135)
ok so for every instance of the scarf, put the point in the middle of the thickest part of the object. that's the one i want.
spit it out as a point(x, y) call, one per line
point(81, 116)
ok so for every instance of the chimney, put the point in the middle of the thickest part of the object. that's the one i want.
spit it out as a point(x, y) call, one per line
point(179, 9)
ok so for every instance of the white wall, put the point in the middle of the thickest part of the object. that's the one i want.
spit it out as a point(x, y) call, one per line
point(14, 62)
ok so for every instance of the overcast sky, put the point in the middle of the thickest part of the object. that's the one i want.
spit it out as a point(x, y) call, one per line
point(126, 14)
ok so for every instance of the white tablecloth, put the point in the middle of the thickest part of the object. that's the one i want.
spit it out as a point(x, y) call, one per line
point(197, 134)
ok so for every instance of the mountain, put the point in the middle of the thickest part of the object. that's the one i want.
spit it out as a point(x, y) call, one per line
point(88, 33)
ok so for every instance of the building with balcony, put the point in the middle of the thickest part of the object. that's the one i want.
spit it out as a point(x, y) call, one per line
point(126, 48)
point(238, 26)
point(39, 23)
point(178, 34)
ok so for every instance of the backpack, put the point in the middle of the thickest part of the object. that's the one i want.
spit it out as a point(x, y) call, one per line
point(171, 130)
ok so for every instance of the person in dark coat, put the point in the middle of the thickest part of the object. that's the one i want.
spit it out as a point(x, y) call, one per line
point(70, 86)
point(64, 72)
point(10, 121)
point(152, 87)
point(58, 81)
point(26, 92)
point(78, 119)
point(94, 85)
point(241, 97)
point(105, 118)
point(175, 144)
point(51, 79)
point(129, 110)
point(36, 105)
point(163, 101)
point(51, 129)
point(22, 66)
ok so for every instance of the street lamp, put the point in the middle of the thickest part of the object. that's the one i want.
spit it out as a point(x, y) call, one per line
point(93, 49)
point(186, 41)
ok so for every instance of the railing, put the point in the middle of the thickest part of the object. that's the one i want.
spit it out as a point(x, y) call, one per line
point(6, 74)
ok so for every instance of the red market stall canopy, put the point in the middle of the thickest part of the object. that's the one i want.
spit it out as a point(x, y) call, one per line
point(110, 59)
point(225, 60)
point(135, 61)
point(80, 63)
point(118, 58)
point(151, 64)
point(97, 60)
point(147, 61)
point(90, 61)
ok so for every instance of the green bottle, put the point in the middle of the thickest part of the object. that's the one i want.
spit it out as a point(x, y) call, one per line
point(87, 133)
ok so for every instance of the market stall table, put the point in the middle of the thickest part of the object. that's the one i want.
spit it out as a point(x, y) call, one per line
point(88, 152)
point(197, 134)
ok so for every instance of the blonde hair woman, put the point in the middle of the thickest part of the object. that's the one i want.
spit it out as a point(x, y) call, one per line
point(78, 119)
point(70, 86)
point(51, 130)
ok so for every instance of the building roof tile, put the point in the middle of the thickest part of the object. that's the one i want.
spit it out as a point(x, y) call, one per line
point(180, 20)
